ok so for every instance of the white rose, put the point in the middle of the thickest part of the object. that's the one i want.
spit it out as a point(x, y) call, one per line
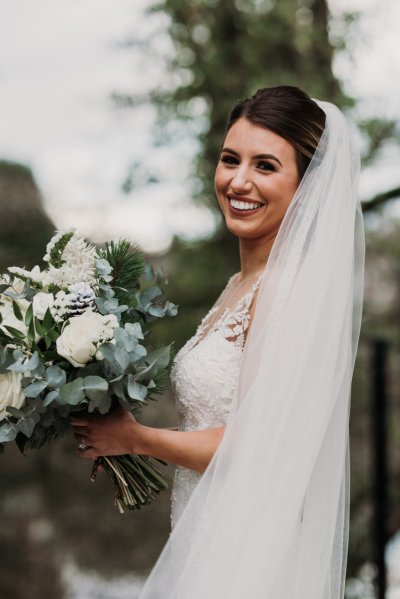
point(78, 341)
point(40, 303)
point(9, 318)
point(11, 394)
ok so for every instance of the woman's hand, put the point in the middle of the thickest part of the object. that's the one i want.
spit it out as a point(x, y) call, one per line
point(116, 433)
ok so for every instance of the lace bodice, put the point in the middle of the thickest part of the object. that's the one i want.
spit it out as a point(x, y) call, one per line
point(204, 376)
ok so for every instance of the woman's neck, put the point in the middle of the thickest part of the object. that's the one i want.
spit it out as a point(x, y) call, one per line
point(254, 255)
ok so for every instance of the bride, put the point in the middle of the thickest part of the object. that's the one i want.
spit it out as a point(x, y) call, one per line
point(260, 501)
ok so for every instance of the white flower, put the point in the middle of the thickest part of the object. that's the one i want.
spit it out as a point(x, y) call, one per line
point(77, 261)
point(40, 303)
point(80, 338)
point(11, 394)
point(9, 318)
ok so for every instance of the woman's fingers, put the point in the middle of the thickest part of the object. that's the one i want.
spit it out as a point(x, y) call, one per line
point(78, 422)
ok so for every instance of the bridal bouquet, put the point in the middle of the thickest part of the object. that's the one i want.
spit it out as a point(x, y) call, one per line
point(72, 342)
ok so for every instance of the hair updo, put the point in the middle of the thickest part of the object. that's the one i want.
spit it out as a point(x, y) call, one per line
point(289, 112)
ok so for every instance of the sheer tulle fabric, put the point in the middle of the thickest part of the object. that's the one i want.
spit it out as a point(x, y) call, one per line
point(269, 517)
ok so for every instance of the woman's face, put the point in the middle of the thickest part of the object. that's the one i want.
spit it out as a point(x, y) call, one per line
point(255, 180)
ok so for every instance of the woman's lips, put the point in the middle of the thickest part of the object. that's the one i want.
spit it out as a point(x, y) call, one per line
point(241, 211)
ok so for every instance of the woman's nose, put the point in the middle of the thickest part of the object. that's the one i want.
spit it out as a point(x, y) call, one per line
point(241, 181)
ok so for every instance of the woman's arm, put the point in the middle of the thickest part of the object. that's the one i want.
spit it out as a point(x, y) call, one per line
point(192, 449)
point(119, 433)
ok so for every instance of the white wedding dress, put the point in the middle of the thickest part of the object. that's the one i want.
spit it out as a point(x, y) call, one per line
point(204, 376)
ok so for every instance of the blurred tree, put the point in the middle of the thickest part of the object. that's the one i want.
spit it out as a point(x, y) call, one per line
point(25, 228)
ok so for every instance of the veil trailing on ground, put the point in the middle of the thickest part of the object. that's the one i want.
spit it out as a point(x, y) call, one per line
point(269, 517)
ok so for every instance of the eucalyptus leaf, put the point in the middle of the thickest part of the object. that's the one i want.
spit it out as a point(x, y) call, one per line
point(108, 351)
point(33, 362)
point(171, 309)
point(95, 383)
point(136, 390)
point(149, 294)
point(122, 357)
point(55, 377)
point(15, 412)
point(155, 310)
point(72, 393)
point(99, 400)
point(103, 267)
point(35, 389)
point(8, 432)
point(50, 397)
point(134, 330)
point(26, 426)
point(18, 367)
point(117, 388)
point(138, 353)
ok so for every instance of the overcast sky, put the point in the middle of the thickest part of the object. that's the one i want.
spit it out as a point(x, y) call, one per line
point(59, 63)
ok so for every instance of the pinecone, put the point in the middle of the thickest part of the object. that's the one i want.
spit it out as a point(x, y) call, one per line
point(80, 298)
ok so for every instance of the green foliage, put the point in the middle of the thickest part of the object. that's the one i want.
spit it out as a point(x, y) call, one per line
point(55, 257)
point(127, 264)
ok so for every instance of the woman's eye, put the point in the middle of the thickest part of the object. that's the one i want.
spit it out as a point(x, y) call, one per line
point(266, 166)
point(229, 160)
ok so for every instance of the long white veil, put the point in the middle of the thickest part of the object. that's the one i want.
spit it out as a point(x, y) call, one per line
point(269, 517)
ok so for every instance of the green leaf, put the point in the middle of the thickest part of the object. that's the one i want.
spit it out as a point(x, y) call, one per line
point(15, 332)
point(29, 315)
point(72, 393)
point(35, 389)
point(31, 333)
point(55, 377)
point(53, 334)
point(48, 320)
point(39, 327)
point(17, 311)
point(136, 390)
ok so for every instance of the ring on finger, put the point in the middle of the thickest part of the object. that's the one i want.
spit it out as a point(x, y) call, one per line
point(82, 444)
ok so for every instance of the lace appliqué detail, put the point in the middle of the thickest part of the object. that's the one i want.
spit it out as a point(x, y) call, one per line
point(204, 376)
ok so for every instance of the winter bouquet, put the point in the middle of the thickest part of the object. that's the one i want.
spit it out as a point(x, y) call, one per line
point(72, 342)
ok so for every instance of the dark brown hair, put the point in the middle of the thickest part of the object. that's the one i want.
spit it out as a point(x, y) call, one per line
point(289, 112)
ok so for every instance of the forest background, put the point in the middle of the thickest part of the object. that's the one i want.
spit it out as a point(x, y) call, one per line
point(190, 61)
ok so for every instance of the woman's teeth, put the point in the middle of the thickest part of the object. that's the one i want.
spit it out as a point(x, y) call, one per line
point(244, 205)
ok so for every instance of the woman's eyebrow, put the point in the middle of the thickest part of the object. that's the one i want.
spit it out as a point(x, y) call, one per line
point(269, 156)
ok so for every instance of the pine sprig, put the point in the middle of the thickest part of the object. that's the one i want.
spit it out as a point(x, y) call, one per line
point(127, 262)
